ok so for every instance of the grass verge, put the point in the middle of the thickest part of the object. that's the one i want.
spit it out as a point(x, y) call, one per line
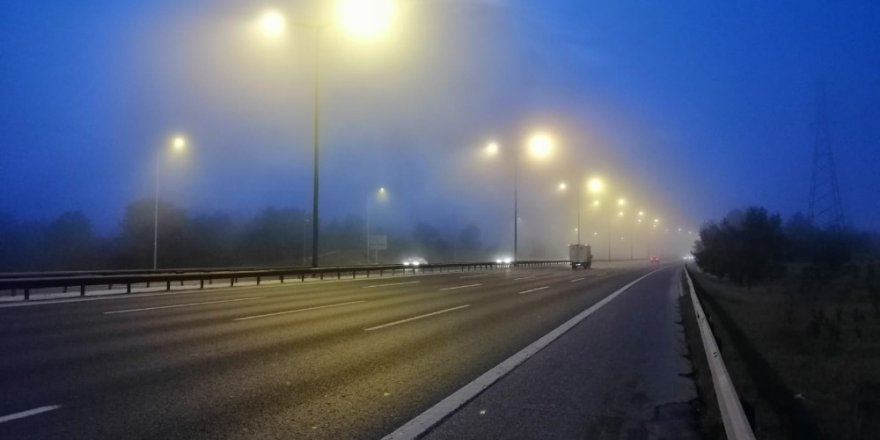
point(805, 358)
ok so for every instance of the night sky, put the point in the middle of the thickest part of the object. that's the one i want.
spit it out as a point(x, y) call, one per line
point(688, 109)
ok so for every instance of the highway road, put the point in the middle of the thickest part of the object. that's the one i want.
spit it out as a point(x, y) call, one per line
point(339, 359)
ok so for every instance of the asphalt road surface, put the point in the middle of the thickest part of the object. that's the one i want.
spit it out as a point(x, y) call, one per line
point(340, 359)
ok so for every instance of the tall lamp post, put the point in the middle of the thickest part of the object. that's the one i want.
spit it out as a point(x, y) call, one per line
point(641, 215)
point(540, 146)
point(178, 143)
point(621, 203)
point(380, 195)
point(358, 19)
point(578, 195)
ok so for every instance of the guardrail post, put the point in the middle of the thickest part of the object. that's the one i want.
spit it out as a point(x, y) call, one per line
point(128, 288)
point(201, 284)
point(82, 290)
point(302, 277)
point(258, 280)
point(322, 276)
point(27, 294)
point(168, 285)
point(110, 286)
point(281, 278)
point(231, 281)
point(338, 274)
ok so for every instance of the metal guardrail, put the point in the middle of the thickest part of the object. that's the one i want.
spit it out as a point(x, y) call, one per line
point(128, 279)
point(736, 424)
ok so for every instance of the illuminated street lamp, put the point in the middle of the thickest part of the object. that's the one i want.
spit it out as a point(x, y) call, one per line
point(360, 19)
point(177, 144)
point(380, 195)
point(639, 217)
point(578, 196)
point(540, 146)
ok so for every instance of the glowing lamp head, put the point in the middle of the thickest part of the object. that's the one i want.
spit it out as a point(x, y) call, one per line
point(178, 143)
point(491, 149)
point(621, 202)
point(562, 186)
point(541, 145)
point(365, 19)
point(273, 24)
point(595, 185)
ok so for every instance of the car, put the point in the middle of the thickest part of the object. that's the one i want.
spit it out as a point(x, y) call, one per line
point(655, 259)
point(415, 261)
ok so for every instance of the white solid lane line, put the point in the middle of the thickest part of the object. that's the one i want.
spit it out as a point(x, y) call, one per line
point(523, 278)
point(286, 312)
point(460, 287)
point(534, 290)
point(391, 284)
point(28, 413)
point(173, 306)
point(369, 329)
point(474, 276)
point(576, 280)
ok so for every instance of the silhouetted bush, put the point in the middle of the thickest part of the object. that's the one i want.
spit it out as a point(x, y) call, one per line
point(746, 248)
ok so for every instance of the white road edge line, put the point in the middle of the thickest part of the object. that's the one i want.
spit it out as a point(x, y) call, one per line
point(474, 276)
point(523, 278)
point(576, 280)
point(533, 290)
point(369, 329)
point(173, 306)
point(28, 413)
point(391, 284)
point(460, 287)
point(286, 312)
point(426, 420)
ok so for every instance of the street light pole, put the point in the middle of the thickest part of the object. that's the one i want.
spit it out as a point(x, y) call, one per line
point(515, 205)
point(304, 242)
point(610, 215)
point(316, 140)
point(156, 215)
point(579, 196)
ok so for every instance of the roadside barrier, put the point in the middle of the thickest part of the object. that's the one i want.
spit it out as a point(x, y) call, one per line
point(736, 424)
point(82, 280)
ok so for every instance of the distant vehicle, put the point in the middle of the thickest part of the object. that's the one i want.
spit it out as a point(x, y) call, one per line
point(655, 259)
point(580, 256)
point(503, 260)
point(415, 261)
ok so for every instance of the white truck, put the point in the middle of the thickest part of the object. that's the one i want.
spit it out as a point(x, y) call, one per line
point(580, 256)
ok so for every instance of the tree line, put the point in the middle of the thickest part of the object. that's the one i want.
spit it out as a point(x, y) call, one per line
point(273, 237)
point(752, 246)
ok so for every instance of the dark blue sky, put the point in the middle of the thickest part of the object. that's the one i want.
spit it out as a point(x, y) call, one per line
point(687, 108)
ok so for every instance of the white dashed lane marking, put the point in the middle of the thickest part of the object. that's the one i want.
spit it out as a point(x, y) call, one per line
point(460, 287)
point(534, 290)
point(174, 306)
point(28, 413)
point(402, 321)
point(307, 309)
